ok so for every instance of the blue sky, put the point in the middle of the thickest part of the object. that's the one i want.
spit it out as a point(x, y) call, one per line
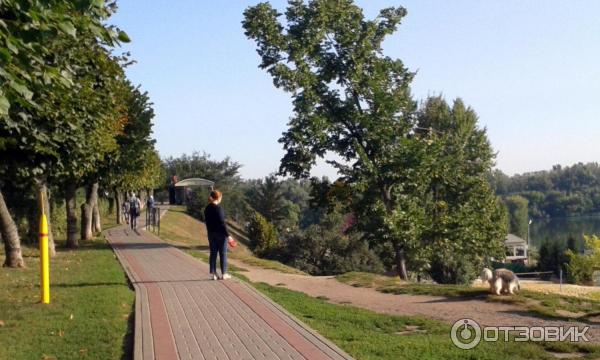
point(530, 69)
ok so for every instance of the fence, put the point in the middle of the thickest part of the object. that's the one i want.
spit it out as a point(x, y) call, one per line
point(153, 220)
point(538, 273)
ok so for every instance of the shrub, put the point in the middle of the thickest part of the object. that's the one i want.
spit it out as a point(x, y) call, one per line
point(326, 249)
point(552, 257)
point(455, 269)
point(580, 267)
point(264, 240)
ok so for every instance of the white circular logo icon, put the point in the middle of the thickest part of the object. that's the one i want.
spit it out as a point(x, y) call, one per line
point(465, 334)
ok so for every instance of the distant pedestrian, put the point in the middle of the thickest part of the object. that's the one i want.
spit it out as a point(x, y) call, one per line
point(125, 211)
point(150, 203)
point(134, 210)
point(151, 216)
point(218, 236)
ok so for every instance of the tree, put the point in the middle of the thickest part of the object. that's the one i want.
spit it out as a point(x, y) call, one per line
point(264, 240)
point(328, 247)
point(132, 165)
point(466, 222)
point(225, 174)
point(580, 267)
point(34, 64)
point(267, 198)
point(518, 215)
point(348, 99)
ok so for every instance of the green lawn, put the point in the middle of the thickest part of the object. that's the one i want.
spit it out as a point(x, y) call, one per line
point(367, 335)
point(90, 307)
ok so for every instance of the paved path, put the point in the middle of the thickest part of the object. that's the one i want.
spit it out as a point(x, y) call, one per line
point(181, 314)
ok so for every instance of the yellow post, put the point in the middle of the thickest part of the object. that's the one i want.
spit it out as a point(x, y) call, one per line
point(44, 263)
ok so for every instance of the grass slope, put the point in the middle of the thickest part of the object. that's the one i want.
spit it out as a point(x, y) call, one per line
point(182, 230)
point(90, 307)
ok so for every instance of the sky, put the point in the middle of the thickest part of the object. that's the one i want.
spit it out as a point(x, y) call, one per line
point(529, 68)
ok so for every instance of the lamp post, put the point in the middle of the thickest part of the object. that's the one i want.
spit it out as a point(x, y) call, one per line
point(528, 224)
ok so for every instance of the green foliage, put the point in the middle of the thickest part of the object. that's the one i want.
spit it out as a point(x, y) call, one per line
point(328, 248)
point(580, 267)
point(267, 198)
point(552, 257)
point(264, 240)
point(518, 215)
point(351, 100)
point(465, 223)
point(560, 192)
point(225, 174)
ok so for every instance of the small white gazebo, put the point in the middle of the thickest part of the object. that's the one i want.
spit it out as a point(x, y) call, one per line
point(517, 248)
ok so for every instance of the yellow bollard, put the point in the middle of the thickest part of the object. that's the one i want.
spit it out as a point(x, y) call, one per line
point(44, 263)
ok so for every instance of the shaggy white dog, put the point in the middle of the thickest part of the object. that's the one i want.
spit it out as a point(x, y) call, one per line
point(502, 281)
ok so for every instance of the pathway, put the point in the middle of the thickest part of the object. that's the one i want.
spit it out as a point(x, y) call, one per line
point(181, 314)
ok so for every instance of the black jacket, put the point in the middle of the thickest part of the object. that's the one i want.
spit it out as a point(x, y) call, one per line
point(215, 220)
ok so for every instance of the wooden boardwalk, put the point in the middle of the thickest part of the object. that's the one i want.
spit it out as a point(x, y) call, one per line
point(181, 314)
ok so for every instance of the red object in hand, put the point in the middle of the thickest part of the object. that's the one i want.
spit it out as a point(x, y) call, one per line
point(232, 243)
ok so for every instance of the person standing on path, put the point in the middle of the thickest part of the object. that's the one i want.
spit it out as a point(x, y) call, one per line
point(218, 236)
point(134, 210)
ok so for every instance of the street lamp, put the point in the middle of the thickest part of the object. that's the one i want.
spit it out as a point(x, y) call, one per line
point(528, 224)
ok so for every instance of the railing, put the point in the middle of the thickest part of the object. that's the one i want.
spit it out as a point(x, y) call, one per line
point(538, 273)
point(153, 220)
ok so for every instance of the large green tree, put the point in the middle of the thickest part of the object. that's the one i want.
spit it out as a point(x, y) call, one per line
point(466, 222)
point(38, 62)
point(349, 99)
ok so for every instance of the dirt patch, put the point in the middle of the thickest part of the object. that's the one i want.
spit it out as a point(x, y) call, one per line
point(435, 307)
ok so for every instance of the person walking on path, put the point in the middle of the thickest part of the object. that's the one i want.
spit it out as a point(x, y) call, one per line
point(218, 236)
point(134, 210)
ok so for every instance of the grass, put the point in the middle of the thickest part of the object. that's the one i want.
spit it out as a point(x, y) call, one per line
point(546, 305)
point(182, 230)
point(90, 310)
point(368, 335)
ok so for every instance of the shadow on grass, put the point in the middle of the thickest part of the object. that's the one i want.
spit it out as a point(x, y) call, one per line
point(129, 337)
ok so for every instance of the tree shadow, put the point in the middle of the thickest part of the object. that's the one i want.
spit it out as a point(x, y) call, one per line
point(192, 247)
point(128, 340)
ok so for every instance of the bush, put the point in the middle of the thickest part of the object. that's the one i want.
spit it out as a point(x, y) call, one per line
point(580, 268)
point(264, 240)
point(325, 249)
point(455, 269)
point(552, 257)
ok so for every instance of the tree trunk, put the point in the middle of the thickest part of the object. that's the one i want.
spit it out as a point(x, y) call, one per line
point(96, 220)
point(119, 207)
point(111, 205)
point(12, 242)
point(43, 191)
point(71, 205)
point(87, 208)
point(401, 263)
